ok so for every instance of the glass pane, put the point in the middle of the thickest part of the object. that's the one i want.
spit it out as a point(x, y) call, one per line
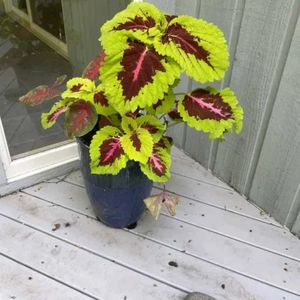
point(26, 62)
point(48, 15)
point(20, 4)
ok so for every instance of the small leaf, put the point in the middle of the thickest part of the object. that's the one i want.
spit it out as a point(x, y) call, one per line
point(152, 125)
point(128, 124)
point(43, 93)
point(163, 105)
point(101, 102)
point(165, 142)
point(212, 111)
point(49, 119)
point(80, 118)
point(106, 152)
point(93, 68)
point(158, 165)
point(154, 204)
point(79, 88)
point(138, 145)
point(170, 201)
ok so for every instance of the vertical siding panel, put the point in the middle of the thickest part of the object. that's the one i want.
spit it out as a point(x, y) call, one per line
point(256, 73)
point(82, 22)
point(276, 185)
point(227, 15)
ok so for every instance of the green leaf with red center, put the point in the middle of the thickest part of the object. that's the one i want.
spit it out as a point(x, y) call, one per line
point(158, 165)
point(81, 117)
point(112, 120)
point(163, 105)
point(137, 144)
point(140, 21)
point(43, 93)
point(212, 111)
point(106, 152)
point(93, 68)
point(101, 102)
point(165, 143)
point(128, 124)
point(136, 76)
point(198, 46)
point(79, 88)
point(152, 125)
point(49, 119)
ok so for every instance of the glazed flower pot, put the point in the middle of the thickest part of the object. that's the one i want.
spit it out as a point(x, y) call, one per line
point(117, 200)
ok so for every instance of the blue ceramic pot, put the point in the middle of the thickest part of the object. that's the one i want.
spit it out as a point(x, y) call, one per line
point(116, 199)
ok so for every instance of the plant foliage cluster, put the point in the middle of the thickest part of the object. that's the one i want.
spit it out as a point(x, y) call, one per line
point(127, 92)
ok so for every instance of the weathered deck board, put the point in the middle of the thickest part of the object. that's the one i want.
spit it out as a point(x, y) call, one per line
point(20, 282)
point(99, 278)
point(234, 253)
point(137, 252)
point(237, 256)
point(235, 226)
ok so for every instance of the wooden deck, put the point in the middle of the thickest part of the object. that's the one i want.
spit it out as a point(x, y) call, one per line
point(219, 244)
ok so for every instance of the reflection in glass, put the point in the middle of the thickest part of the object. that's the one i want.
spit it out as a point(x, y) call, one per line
point(26, 62)
point(48, 15)
point(20, 4)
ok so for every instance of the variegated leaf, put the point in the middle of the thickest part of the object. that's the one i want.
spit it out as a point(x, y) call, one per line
point(43, 93)
point(80, 118)
point(92, 70)
point(49, 119)
point(106, 152)
point(212, 111)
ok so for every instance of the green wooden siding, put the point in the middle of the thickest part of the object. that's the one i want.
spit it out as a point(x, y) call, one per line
point(263, 162)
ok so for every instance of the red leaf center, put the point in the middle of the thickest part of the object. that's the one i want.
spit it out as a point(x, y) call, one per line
point(203, 105)
point(99, 98)
point(136, 141)
point(110, 151)
point(140, 64)
point(137, 23)
point(180, 36)
point(157, 165)
point(76, 88)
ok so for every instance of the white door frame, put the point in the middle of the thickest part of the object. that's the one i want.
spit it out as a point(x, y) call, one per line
point(25, 171)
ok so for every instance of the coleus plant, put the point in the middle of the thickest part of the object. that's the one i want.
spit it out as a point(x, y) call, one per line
point(128, 92)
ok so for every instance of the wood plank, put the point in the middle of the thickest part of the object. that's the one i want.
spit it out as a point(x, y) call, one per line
point(193, 170)
point(164, 231)
point(259, 234)
point(277, 177)
point(94, 275)
point(262, 46)
point(136, 251)
point(15, 283)
point(205, 193)
point(227, 15)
